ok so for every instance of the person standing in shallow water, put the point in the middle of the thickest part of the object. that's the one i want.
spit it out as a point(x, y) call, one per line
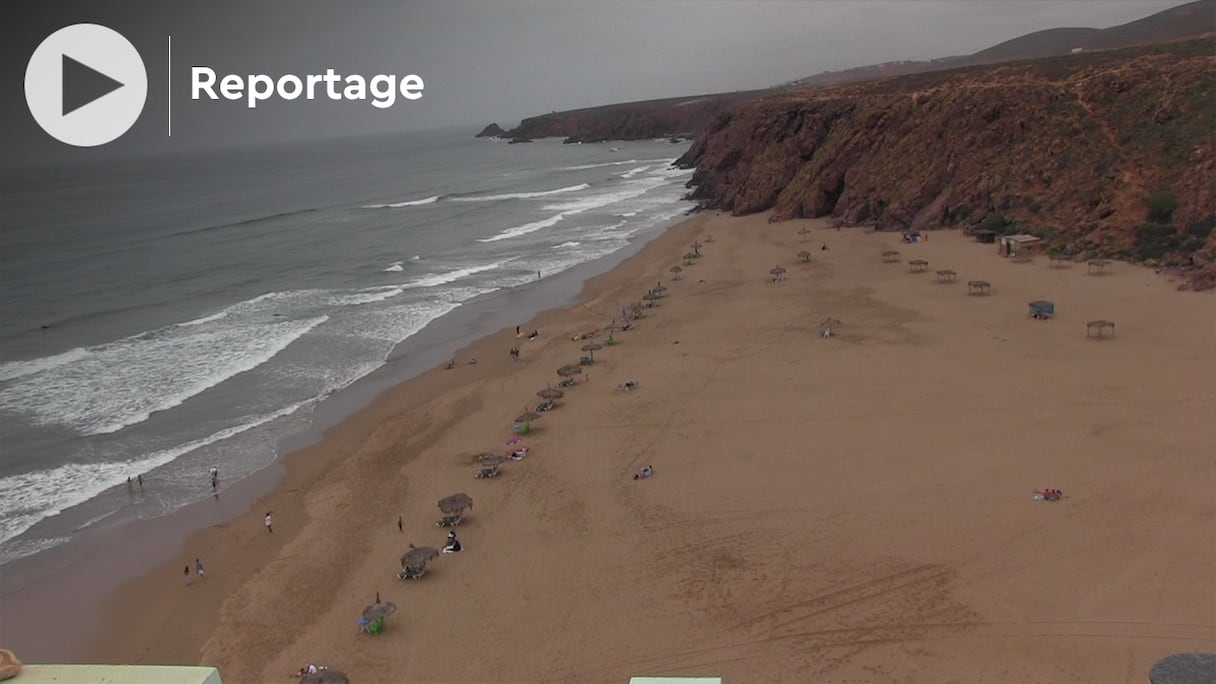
point(198, 568)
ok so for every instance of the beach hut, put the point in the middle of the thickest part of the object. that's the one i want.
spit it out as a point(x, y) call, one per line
point(1042, 309)
point(1020, 245)
point(987, 237)
point(946, 276)
point(1101, 326)
point(917, 265)
point(979, 287)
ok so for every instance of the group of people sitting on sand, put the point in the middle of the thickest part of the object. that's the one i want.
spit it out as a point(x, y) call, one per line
point(310, 669)
point(644, 473)
point(1048, 494)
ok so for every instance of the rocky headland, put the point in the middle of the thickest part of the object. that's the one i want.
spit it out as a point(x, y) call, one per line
point(1108, 154)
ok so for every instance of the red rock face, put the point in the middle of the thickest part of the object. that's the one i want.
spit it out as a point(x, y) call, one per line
point(1067, 148)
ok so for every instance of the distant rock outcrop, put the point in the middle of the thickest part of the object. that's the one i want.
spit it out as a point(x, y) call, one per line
point(680, 116)
point(491, 131)
point(1103, 154)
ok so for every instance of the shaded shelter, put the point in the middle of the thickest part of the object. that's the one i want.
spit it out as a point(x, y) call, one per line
point(1101, 326)
point(379, 611)
point(676, 270)
point(979, 287)
point(1020, 246)
point(987, 237)
point(946, 276)
point(1098, 266)
point(804, 256)
point(917, 265)
point(325, 677)
point(890, 256)
point(1184, 668)
point(1042, 309)
point(688, 258)
point(1058, 260)
point(414, 562)
point(549, 394)
point(804, 231)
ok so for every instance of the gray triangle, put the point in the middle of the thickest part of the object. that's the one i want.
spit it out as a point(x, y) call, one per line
point(83, 84)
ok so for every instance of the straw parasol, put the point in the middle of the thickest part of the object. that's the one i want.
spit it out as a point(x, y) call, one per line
point(689, 257)
point(569, 371)
point(418, 556)
point(890, 256)
point(325, 677)
point(527, 417)
point(676, 270)
point(379, 611)
point(804, 231)
point(650, 296)
point(804, 255)
point(451, 505)
point(696, 247)
point(493, 460)
point(550, 394)
point(592, 348)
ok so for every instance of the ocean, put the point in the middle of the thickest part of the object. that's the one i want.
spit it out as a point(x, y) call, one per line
point(162, 316)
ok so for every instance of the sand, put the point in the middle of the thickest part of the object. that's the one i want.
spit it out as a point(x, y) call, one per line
point(857, 508)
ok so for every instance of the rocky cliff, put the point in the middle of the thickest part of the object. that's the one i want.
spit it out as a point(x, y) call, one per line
point(681, 116)
point(1107, 153)
point(491, 131)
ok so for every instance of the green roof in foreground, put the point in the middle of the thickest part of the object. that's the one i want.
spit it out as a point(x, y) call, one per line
point(118, 674)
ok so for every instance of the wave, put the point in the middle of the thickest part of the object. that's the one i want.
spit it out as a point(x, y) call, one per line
point(633, 188)
point(566, 245)
point(27, 498)
point(452, 276)
point(398, 205)
point(114, 385)
point(245, 222)
point(205, 319)
point(19, 369)
point(521, 195)
point(617, 163)
point(633, 172)
point(532, 227)
point(397, 266)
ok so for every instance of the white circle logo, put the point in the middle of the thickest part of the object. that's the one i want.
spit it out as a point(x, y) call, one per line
point(86, 85)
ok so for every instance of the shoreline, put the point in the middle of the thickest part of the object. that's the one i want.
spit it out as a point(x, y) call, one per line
point(795, 528)
point(125, 567)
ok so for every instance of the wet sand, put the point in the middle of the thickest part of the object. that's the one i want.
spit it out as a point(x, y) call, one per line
point(853, 508)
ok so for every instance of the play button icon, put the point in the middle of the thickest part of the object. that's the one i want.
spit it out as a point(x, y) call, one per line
point(82, 84)
point(85, 85)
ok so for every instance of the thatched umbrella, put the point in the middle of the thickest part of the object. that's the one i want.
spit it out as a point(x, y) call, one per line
point(709, 238)
point(527, 417)
point(918, 265)
point(379, 611)
point(890, 256)
point(804, 255)
point(696, 248)
point(804, 231)
point(451, 505)
point(550, 394)
point(592, 348)
point(650, 297)
point(689, 257)
point(493, 460)
point(569, 371)
point(418, 556)
point(676, 270)
point(325, 677)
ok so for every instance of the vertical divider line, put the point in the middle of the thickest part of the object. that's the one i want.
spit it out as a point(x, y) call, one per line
point(169, 92)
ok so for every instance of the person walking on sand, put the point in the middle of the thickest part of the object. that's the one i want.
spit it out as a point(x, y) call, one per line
point(186, 574)
point(269, 524)
point(198, 568)
point(400, 524)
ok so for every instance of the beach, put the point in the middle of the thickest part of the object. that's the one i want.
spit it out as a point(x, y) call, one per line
point(857, 507)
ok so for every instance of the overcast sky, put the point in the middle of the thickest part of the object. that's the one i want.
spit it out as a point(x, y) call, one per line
point(500, 60)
